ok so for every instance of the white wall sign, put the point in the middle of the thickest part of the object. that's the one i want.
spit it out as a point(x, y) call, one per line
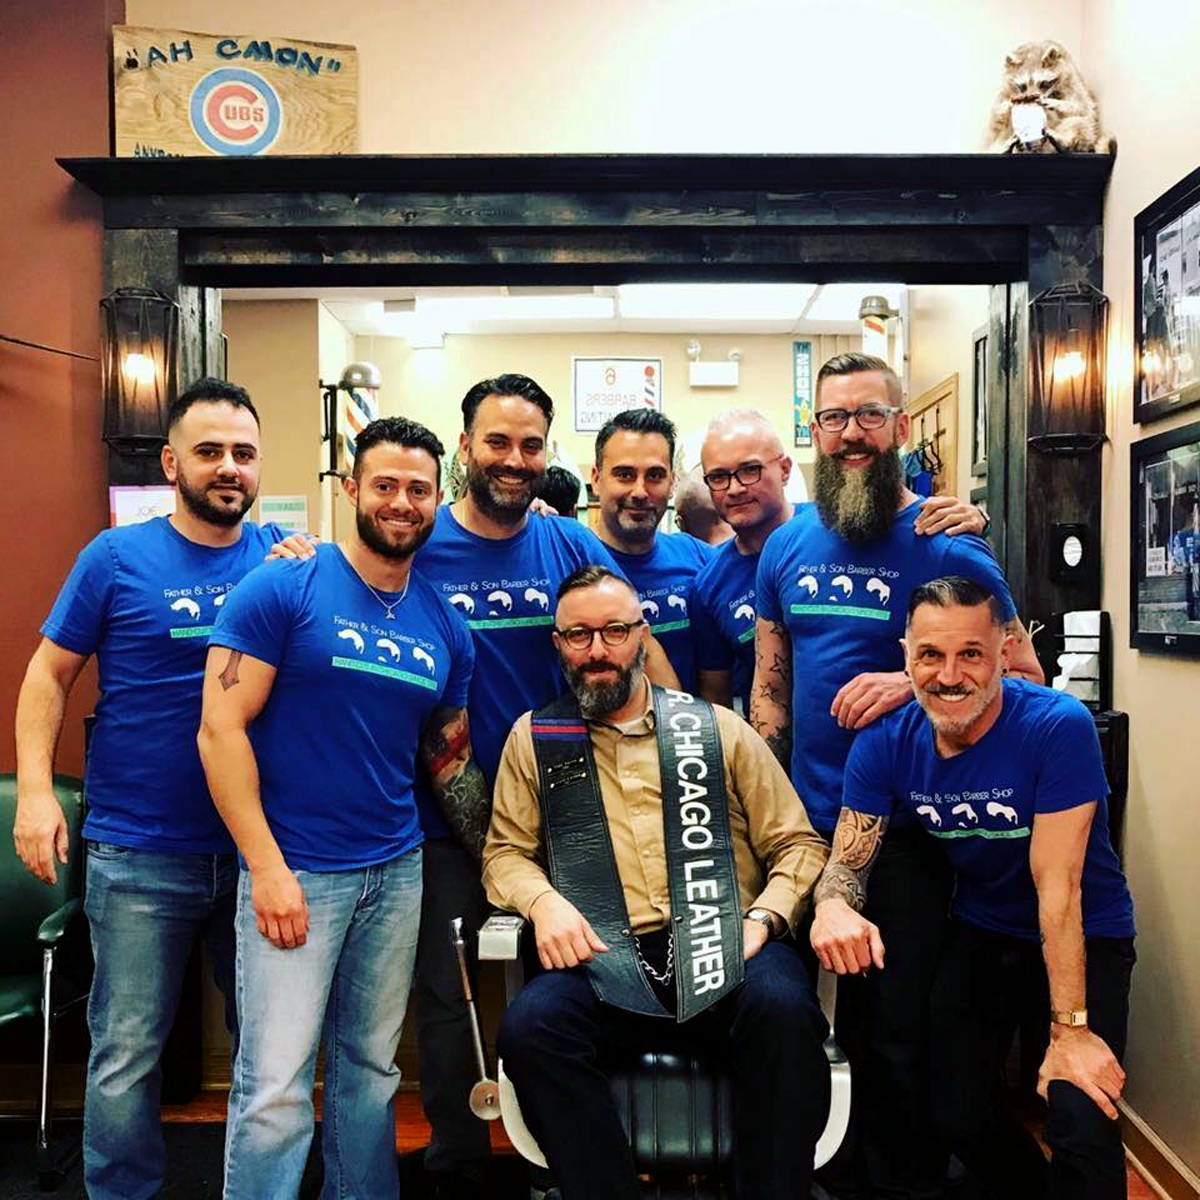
point(1156, 561)
point(603, 387)
point(289, 511)
point(132, 505)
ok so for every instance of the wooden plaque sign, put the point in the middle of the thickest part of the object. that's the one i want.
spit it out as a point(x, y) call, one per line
point(182, 93)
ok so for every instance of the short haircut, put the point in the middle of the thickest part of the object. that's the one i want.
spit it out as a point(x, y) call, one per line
point(506, 385)
point(954, 591)
point(693, 499)
point(560, 489)
point(209, 390)
point(398, 431)
point(589, 576)
point(637, 420)
point(856, 364)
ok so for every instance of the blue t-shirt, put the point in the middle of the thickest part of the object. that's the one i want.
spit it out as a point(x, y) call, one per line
point(723, 617)
point(143, 599)
point(1041, 756)
point(663, 579)
point(336, 742)
point(844, 606)
point(504, 589)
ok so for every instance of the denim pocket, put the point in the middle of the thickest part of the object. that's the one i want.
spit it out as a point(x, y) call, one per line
point(107, 850)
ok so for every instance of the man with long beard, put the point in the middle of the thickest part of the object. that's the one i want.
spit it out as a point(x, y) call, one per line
point(660, 853)
point(831, 592)
point(1008, 781)
point(161, 872)
point(350, 668)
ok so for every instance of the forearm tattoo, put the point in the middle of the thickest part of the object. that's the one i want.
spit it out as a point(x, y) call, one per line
point(229, 676)
point(458, 783)
point(771, 703)
point(856, 843)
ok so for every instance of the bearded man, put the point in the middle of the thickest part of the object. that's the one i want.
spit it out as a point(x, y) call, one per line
point(832, 590)
point(660, 854)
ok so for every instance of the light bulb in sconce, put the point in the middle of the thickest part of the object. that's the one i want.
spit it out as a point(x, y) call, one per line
point(1068, 366)
point(693, 350)
point(139, 369)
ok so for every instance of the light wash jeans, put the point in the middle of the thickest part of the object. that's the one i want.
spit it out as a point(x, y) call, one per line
point(350, 979)
point(146, 911)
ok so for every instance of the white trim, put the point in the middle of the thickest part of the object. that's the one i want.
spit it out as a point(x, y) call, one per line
point(1186, 1173)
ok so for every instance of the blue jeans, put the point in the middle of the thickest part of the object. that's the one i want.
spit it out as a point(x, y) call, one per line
point(145, 911)
point(351, 980)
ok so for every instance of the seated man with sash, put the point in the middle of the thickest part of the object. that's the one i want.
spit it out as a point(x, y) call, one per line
point(662, 856)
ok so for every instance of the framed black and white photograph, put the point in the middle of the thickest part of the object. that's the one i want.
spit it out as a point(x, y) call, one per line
point(1164, 578)
point(979, 404)
point(1166, 300)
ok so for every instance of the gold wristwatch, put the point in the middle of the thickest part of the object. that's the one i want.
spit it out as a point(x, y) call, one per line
point(1076, 1018)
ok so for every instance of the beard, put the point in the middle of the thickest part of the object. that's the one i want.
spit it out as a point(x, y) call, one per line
point(600, 699)
point(376, 539)
point(859, 503)
point(214, 512)
point(973, 707)
point(629, 528)
point(506, 505)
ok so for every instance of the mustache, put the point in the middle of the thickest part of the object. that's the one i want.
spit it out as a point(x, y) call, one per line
point(497, 472)
point(863, 449)
point(937, 689)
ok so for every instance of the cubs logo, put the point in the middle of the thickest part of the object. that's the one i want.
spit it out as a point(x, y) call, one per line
point(235, 111)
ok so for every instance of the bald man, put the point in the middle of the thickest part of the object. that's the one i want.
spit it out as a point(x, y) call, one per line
point(695, 512)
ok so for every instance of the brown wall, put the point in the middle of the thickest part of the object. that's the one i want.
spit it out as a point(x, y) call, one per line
point(54, 63)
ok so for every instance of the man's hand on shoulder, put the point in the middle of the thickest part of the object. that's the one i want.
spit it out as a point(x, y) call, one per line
point(1083, 1058)
point(951, 515)
point(296, 545)
point(280, 907)
point(844, 940)
point(564, 938)
point(868, 696)
point(40, 834)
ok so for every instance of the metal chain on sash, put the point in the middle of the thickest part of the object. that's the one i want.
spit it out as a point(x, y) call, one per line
point(668, 972)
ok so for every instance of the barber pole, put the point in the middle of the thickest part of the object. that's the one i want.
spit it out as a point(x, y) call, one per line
point(359, 408)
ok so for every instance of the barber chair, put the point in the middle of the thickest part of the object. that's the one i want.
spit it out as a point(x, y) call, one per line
point(676, 1106)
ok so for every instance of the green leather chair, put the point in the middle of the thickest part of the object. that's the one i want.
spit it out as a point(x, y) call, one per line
point(38, 922)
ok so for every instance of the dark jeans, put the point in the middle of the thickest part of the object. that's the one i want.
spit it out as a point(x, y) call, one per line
point(984, 981)
point(445, 1053)
point(556, 1038)
point(882, 1024)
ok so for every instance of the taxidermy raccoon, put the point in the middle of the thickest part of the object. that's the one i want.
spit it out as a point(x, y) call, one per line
point(1044, 105)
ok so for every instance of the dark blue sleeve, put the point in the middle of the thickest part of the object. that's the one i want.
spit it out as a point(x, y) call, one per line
point(1071, 766)
point(592, 550)
point(257, 618)
point(766, 594)
point(80, 614)
point(971, 556)
point(462, 660)
point(867, 786)
point(712, 651)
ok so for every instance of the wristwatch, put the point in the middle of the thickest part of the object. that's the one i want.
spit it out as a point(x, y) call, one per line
point(1076, 1018)
point(765, 917)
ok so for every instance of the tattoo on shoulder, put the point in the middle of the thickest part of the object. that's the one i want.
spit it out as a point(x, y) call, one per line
point(229, 676)
point(856, 843)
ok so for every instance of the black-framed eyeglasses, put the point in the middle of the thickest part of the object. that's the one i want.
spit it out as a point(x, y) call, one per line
point(746, 474)
point(870, 416)
point(579, 637)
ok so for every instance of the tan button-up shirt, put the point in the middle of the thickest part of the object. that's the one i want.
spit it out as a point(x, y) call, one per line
point(778, 854)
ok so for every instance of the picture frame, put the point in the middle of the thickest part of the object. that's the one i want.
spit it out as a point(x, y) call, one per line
point(979, 402)
point(1166, 303)
point(1164, 576)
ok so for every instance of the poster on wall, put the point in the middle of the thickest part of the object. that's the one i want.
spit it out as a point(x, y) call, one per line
point(289, 511)
point(177, 92)
point(603, 387)
point(802, 400)
point(1165, 536)
point(129, 505)
point(1167, 303)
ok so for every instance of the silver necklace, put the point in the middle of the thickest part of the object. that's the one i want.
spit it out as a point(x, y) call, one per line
point(389, 610)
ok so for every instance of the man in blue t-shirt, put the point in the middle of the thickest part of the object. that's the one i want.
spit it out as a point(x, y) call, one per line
point(1008, 778)
point(327, 679)
point(831, 592)
point(633, 477)
point(160, 865)
point(746, 470)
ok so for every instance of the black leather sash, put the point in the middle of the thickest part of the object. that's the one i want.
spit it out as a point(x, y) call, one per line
point(701, 870)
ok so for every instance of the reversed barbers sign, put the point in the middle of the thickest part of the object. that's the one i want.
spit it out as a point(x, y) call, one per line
point(183, 93)
point(603, 387)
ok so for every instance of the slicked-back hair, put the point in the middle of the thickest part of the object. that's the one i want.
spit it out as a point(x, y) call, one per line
point(399, 431)
point(637, 420)
point(506, 385)
point(954, 591)
point(209, 390)
point(560, 489)
point(857, 363)
point(589, 576)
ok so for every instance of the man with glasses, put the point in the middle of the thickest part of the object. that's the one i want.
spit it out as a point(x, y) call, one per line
point(832, 591)
point(746, 470)
point(607, 804)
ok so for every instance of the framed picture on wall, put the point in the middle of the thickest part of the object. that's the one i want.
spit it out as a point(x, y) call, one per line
point(979, 404)
point(1164, 577)
point(1166, 302)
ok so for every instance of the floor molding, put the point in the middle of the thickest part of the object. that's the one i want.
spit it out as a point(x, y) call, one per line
point(1154, 1160)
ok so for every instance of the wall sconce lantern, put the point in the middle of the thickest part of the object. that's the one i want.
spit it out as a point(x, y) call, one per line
point(138, 368)
point(1068, 327)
